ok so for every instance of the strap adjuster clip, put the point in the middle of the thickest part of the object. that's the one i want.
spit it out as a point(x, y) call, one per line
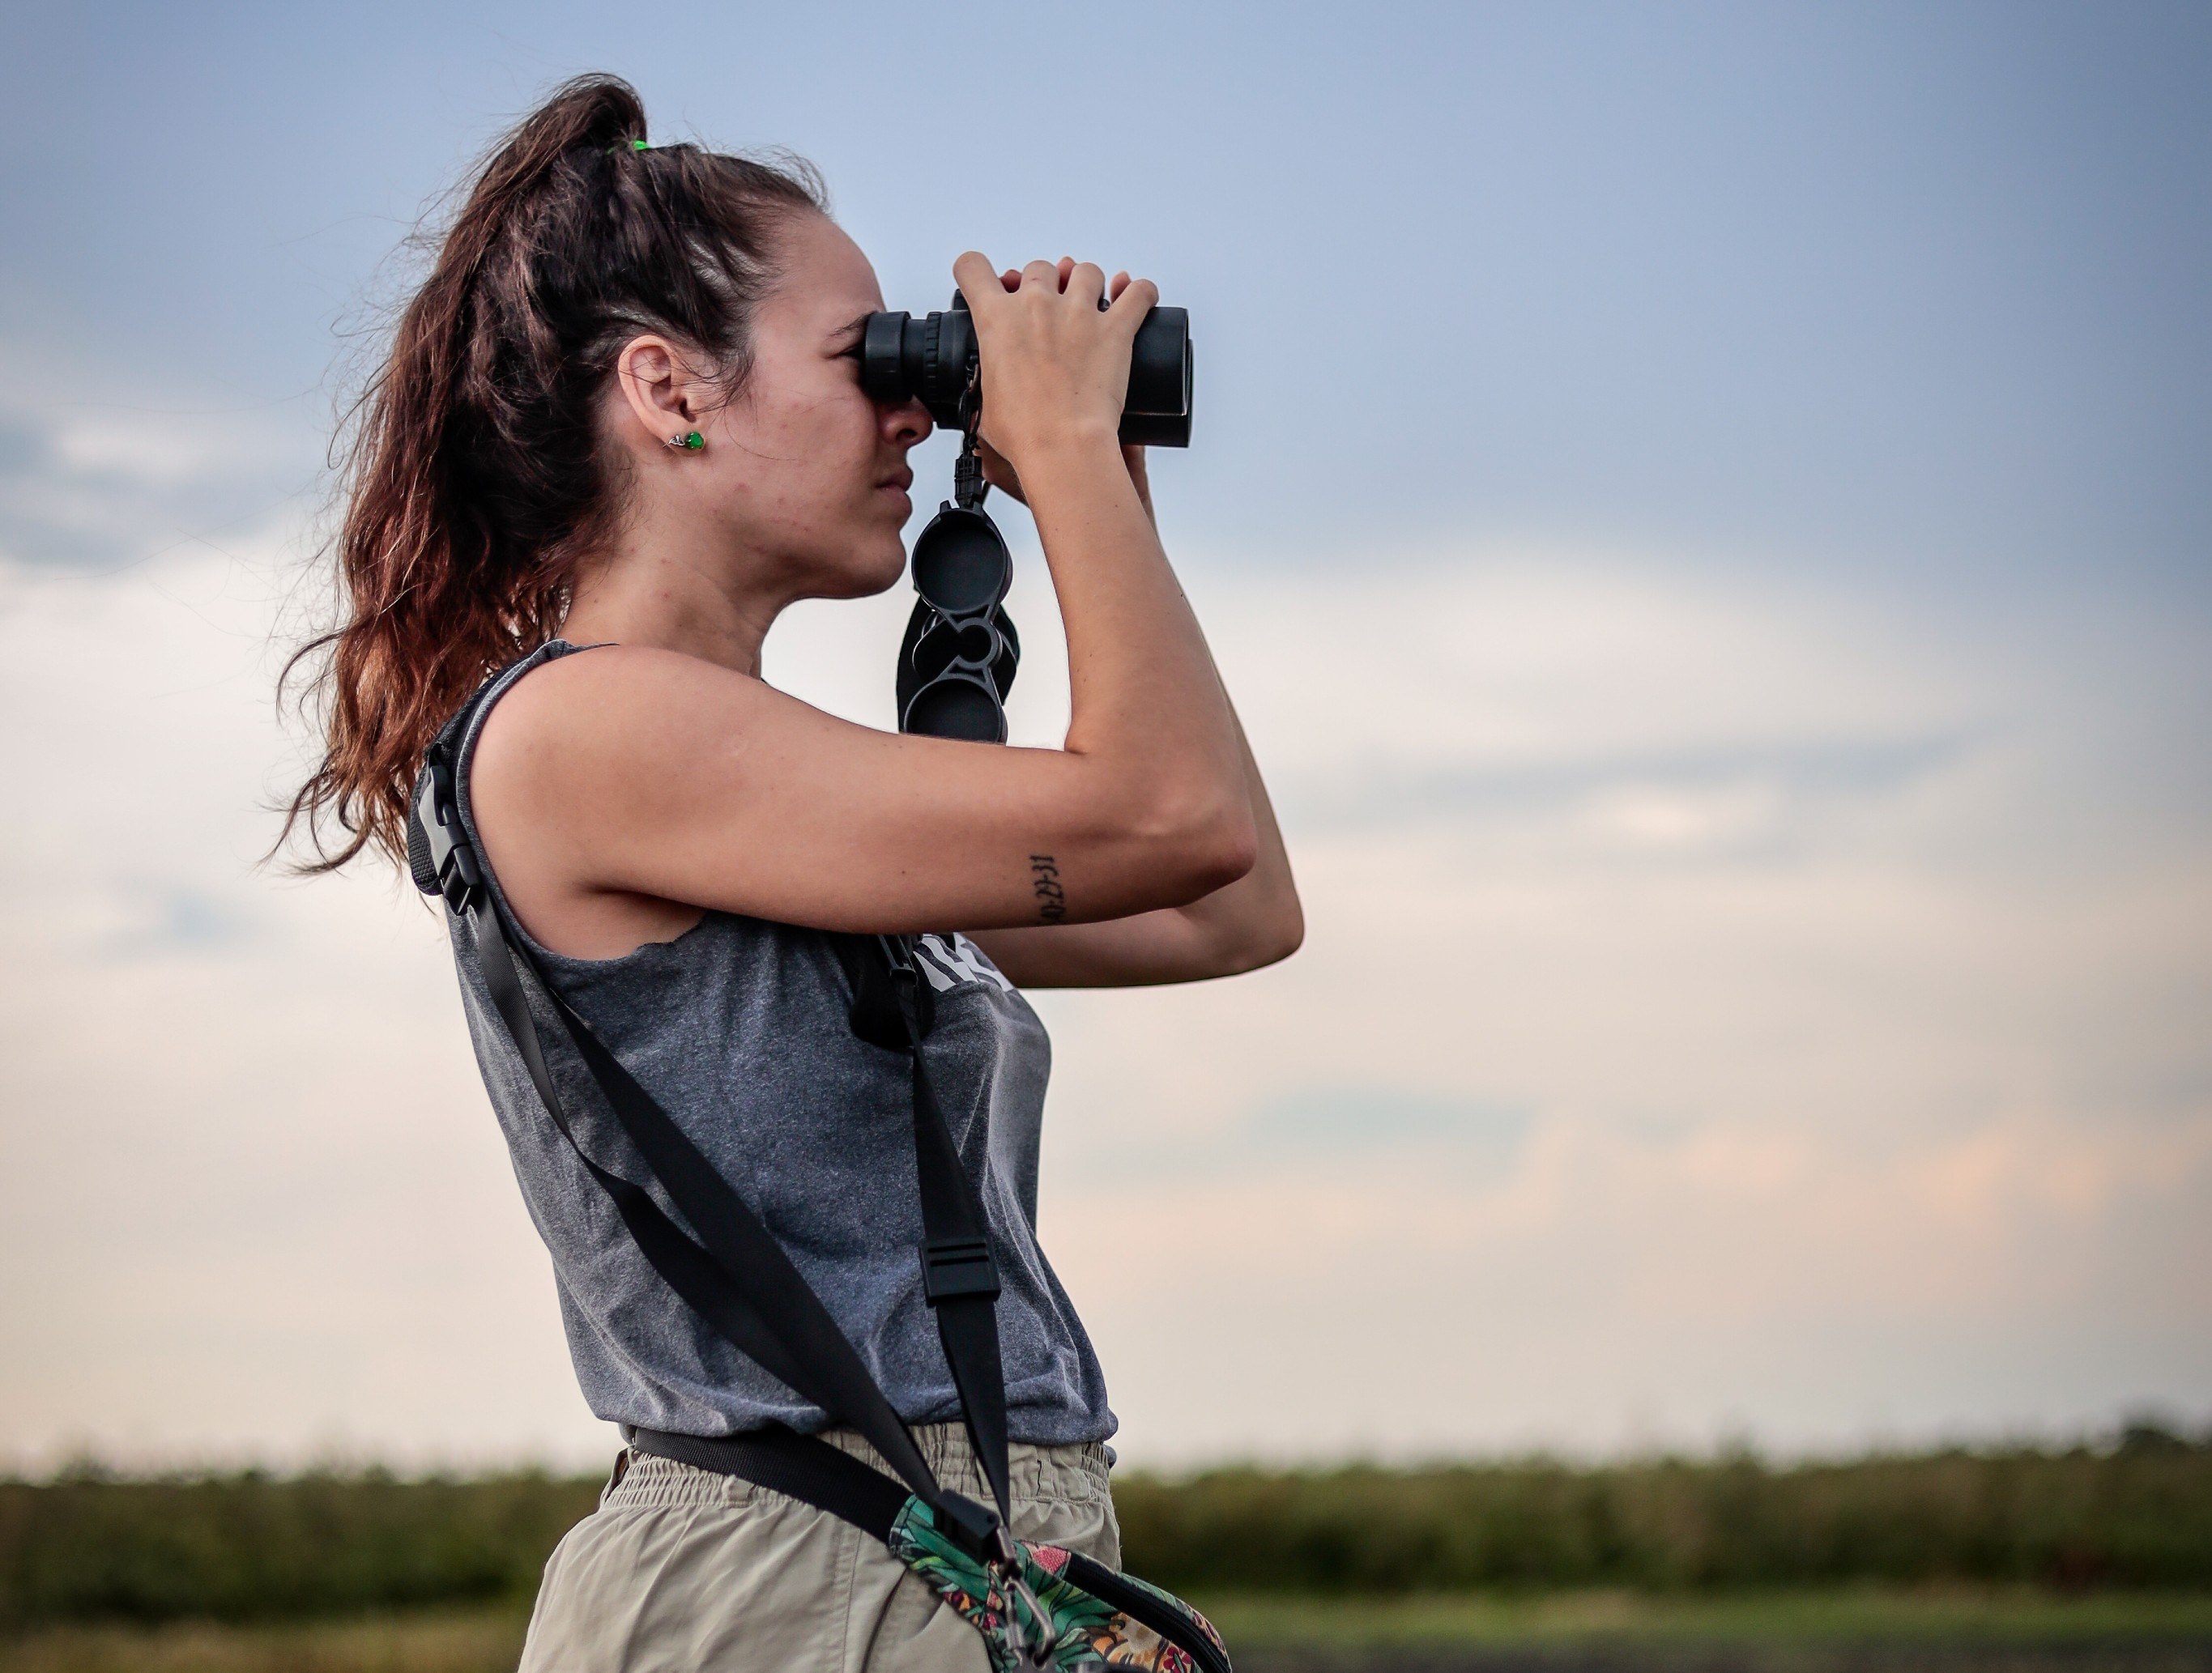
point(956, 1266)
point(453, 861)
point(974, 1528)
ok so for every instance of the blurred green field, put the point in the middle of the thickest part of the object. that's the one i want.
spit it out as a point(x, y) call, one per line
point(2136, 1516)
point(1950, 1617)
point(1967, 1561)
point(1849, 1631)
point(483, 1640)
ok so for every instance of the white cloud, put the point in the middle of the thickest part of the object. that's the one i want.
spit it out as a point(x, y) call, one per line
point(1719, 1009)
point(101, 489)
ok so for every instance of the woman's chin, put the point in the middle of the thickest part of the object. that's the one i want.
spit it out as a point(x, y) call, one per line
point(878, 571)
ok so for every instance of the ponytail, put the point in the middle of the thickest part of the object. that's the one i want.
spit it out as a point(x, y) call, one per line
point(473, 480)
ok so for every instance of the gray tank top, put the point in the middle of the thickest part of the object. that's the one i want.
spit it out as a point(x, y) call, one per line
point(738, 1029)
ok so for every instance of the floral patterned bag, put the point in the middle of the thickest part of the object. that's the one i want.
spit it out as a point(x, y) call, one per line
point(1063, 1611)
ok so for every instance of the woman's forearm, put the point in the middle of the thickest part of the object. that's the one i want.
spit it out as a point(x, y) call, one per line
point(1146, 704)
point(1149, 733)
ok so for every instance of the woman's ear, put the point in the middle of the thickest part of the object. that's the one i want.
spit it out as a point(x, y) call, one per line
point(661, 391)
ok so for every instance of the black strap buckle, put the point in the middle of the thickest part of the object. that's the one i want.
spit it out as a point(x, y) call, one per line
point(453, 861)
point(975, 1528)
point(955, 1266)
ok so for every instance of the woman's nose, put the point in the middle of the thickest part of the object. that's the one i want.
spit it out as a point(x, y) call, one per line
point(907, 423)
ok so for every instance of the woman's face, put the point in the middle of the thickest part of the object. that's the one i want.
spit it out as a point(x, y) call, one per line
point(807, 474)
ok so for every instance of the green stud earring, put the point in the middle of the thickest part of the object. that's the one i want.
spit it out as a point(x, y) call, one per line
point(691, 441)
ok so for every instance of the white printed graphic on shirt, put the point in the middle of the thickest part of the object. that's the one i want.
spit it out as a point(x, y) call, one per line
point(949, 964)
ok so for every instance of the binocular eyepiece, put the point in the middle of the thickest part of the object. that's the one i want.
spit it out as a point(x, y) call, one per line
point(933, 358)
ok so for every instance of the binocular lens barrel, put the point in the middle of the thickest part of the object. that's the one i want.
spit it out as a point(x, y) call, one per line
point(931, 359)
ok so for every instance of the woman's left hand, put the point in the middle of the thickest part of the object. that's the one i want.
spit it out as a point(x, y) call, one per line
point(999, 472)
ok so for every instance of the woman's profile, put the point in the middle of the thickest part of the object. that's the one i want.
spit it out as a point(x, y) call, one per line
point(620, 429)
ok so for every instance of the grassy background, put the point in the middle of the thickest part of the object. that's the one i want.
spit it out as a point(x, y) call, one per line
point(1853, 1630)
point(328, 1573)
point(479, 1640)
point(252, 1547)
point(2139, 1515)
point(1952, 1617)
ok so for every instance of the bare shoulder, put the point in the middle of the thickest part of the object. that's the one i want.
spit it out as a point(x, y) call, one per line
point(582, 694)
point(577, 757)
point(590, 742)
point(613, 709)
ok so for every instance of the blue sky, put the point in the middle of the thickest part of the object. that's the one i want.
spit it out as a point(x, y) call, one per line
point(1904, 288)
point(1704, 510)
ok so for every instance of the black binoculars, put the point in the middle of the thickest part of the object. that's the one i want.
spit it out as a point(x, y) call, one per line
point(934, 360)
point(961, 651)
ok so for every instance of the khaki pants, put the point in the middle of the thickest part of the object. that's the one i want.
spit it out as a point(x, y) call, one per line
point(683, 1569)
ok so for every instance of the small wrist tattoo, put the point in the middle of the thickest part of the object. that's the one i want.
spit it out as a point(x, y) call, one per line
point(1044, 879)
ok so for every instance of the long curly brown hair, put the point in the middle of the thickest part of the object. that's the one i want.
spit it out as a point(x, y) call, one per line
point(473, 478)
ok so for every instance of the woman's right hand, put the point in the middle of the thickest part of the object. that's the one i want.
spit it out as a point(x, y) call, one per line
point(1055, 366)
point(999, 472)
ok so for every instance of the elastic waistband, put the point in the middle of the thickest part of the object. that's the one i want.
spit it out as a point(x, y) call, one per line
point(1039, 1474)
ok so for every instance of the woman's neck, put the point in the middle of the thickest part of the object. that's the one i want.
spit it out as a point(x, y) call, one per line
point(675, 601)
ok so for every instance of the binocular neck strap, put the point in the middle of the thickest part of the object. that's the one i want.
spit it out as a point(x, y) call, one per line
point(736, 1275)
point(770, 1313)
point(968, 487)
point(960, 1276)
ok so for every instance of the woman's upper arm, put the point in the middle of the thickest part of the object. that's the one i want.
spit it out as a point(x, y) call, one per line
point(641, 772)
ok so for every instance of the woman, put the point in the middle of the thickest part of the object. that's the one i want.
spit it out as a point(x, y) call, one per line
point(621, 426)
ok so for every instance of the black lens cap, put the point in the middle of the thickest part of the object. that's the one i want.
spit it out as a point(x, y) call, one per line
point(961, 565)
point(955, 706)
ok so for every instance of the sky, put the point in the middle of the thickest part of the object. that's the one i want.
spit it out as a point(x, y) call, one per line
point(1704, 513)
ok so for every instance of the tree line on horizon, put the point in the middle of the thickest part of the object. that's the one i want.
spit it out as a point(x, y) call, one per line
point(246, 1546)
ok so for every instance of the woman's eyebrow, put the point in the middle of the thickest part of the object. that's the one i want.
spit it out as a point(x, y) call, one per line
point(850, 328)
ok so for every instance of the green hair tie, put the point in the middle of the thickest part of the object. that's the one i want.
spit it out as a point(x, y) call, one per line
point(635, 145)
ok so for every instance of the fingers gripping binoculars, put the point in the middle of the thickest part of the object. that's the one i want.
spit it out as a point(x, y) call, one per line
point(935, 359)
point(960, 653)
